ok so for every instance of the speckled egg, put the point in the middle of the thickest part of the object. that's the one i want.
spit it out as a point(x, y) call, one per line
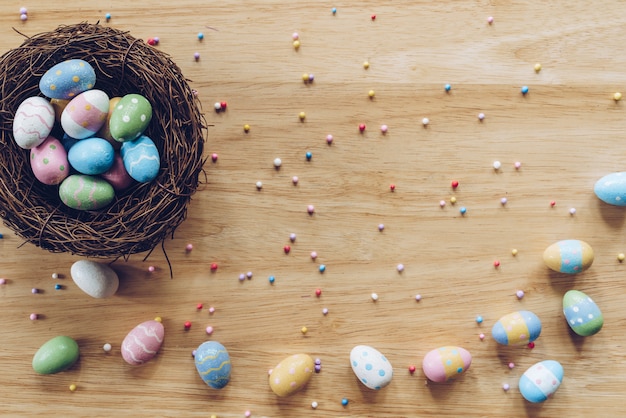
point(141, 159)
point(541, 380)
point(33, 122)
point(85, 114)
point(213, 364)
point(611, 189)
point(67, 79)
point(91, 156)
point(582, 314)
point(291, 374)
point(371, 367)
point(130, 118)
point(444, 363)
point(49, 162)
point(82, 192)
point(517, 328)
point(117, 175)
point(143, 342)
point(568, 256)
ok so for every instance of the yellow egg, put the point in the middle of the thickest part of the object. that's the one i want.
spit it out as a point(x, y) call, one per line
point(291, 375)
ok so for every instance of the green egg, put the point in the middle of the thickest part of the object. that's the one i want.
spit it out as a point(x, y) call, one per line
point(130, 117)
point(58, 354)
point(83, 192)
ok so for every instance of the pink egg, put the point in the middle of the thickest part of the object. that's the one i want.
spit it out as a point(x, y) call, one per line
point(85, 114)
point(444, 363)
point(49, 161)
point(117, 175)
point(142, 342)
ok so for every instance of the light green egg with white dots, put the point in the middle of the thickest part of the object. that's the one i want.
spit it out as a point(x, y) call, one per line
point(130, 118)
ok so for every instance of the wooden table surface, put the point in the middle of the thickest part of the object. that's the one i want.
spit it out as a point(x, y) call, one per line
point(567, 132)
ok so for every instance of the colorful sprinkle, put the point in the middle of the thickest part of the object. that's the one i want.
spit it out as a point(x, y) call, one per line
point(196, 56)
point(362, 127)
point(411, 369)
point(366, 65)
point(371, 94)
point(481, 116)
point(572, 211)
point(318, 368)
point(418, 297)
point(374, 297)
point(333, 11)
point(107, 348)
point(72, 387)
point(34, 317)
point(249, 275)
point(325, 311)
point(517, 165)
point(344, 401)
point(524, 89)
point(514, 252)
point(537, 67)
point(322, 268)
point(55, 276)
point(302, 116)
point(294, 180)
point(447, 87)
point(442, 203)
point(392, 187)
point(425, 122)
point(58, 287)
point(247, 414)
point(497, 165)
point(318, 292)
point(479, 319)
point(481, 336)
point(373, 17)
point(107, 16)
point(310, 209)
point(259, 185)
point(314, 404)
point(506, 387)
point(189, 247)
point(453, 200)
point(308, 156)
point(33, 290)
point(187, 325)
point(296, 44)
point(454, 184)
point(400, 268)
point(552, 203)
point(246, 128)
point(277, 162)
point(617, 96)
point(531, 345)
point(200, 36)
point(511, 365)
point(503, 201)
point(381, 227)
point(329, 139)
point(621, 257)
point(209, 330)
point(214, 157)
point(271, 279)
point(384, 129)
point(213, 266)
point(151, 269)
point(304, 330)
point(287, 249)
point(211, 310)
point(3, 281)
point(490, 20)
point(463, 210)
point(313, 255)
point(519, 294)
point(496, 263)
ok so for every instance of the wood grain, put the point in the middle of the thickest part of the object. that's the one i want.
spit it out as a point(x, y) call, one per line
point(567, 132)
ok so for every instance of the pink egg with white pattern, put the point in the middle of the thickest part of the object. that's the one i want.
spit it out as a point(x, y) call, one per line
point(85, 114)
point(49, 162)
point(143, 342)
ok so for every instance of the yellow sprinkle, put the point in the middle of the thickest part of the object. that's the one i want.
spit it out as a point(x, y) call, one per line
point(305, 77)
point(73, 387)
point(296, 44)
point(453, 200)
point(302, 115)
point(371, 93)
point(621, 257)
point(246, 128)
point(213, 416)
point(304, 330)
point(514, 252)
point(158, 319)
point(537, 67)
point(366, 65)
point(617, 96)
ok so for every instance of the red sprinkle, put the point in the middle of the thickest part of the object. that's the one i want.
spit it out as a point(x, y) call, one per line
point(454, 184)
point(151, 41)
point(373, 17)
point(286, 248)
point(552, 203)
point(318, 292)
point(223, 105)
point(392, 187)
point(496, 264)
point(411, 369)
point(187, 325)
point(362, 127)
point(213, 266)
point(531, 345)
point(199, 306)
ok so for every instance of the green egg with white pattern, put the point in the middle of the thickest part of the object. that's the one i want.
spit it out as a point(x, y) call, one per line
point(130, 118)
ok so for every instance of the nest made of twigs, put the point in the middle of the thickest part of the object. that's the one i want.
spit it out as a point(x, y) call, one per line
point(144, 215)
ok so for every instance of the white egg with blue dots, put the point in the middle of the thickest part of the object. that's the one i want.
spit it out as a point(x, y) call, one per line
point(371, 367)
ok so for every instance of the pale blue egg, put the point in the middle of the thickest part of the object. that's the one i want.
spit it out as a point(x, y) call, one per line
point(541, 380)
point(213, 364)
point(91, 156)
point(141, 159)
point(67, 79)
point(611, 189)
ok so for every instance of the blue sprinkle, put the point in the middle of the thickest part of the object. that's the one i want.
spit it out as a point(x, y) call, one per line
point(58, 287)
point(447, 87)
point(322, 268)
point(271, 279)
point(463, 210)
point(107, 16)
point(334, 10)
point(308, 156)
point(200, 36)
point(344, 401)
point(1, 236)
point(479, 319)
point(524, 89)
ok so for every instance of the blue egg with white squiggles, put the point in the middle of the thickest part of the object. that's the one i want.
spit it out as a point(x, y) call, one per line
point(213, 364)
point(611, 189)
point(141, 159)
point(67, 79)
point(91, 156)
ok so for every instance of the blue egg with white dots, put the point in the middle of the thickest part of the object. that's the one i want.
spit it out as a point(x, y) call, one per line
point(213, 364)
point(371, 367)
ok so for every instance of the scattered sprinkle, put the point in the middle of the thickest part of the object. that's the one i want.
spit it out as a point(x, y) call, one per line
point(517, 165)
point(3, 281)
point(259, 185)
point(34, 317)
point(373, 17)
point(322, 268)
point(277, 162)
point(58, 287)
point(481, 336)
point(200, 36)
point(246, 128)
point(454, 184)
point(158, 319)
point(463, 210)
point(481, 116)
point(497, 165)
point(303, 330)
point(308, 156)
point(106, 347)
point(199, 306)
point(292, 237)
point(314, 404)
point(23, 17)
point(189, 247)
point(107, 16)
point(344, 401)
point(294, 180)
point(366, 65)
point(211, 310)
point(453, 200)
point(271, 279)
point(313, 255)
point(531, 345)
point(213, 266)
point(418, 297)
point(247, 414)
point(506, 387)
point(411, 369)
point(249, 275)
point(447, 87)
point(72, 387)
point(552, 203)
point(55, 276)
point(325, 311)
point(329, 139)
point(34, 290)
point(392, 187)
point(217, 106)
point(519, 294)
point(333, 11)
point(295, 36)
point(310, 209)
point(214, 157)
point(442, 203)
point(318, 292)
point(617, 96)
point(381, 227)
point(496, 263)
point(503, 201)
point(524, 89)
point(187, 325)
point(621, 257)
point(572, 211)
point(362, 127)
point(425, 122)
point(302, 116)
point(490, 20)
point(371, 94)
point(209, 330)
point(537, 67)
point(511, 365)
point(400, 268)
point(318, 368)
point(514, 252)
point(384, 129)
point(479, 319)
point(374, 297)
point(287, 249)
point(296, 44)
point(196, 56)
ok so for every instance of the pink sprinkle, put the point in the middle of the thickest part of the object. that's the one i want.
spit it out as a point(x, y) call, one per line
point(325, 311)
point(400, 268)
point(519, 294)
point(33, 316)
point(503, 201)
point(511, 365)
point(295, 36)
point(151, 269)
point(211, 310)
point(442, 203)
point(517, 165)
point(34, 290)
point(313, 255)
point(214, 157)
point(189, 247)
point(24, 17)
point(248, 414)
point(310, 209)
point(481, 336)
point(384, 129)
point(481, 116)
point(381, 227)
point(329, 139)
point(294, 180)
point(3, 281)
point(209, 330)
point(506, 387)
point(490, 20)
point(292, 237)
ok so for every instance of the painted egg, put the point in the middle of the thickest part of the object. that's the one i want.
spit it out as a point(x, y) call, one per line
point(371, 367)
point(59, 106)
point(213, 364)
point(55, 355)
point(611, 189)
point(291, 374)
point(67, 79)
point(444, 363)
point(516, 328)
point(91, 156)
point(98, 280)
point(49, 162)
point(541, 380)
point(83, 192)
point(142, 342)
point(569, 256)
point(130, 117)
point(68, 142)
point(141, 159)
point(33, 122)
point(85, 114)
point(582, 314)
point(117, 175)
point(105, 131)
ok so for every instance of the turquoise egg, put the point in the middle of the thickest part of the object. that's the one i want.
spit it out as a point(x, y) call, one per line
point(141, 159)
point(611, 189)
point(91, 156)
point(541, 380)
point(67, 79)
point(213, 364)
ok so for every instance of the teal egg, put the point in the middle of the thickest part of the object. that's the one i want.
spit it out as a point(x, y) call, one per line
point(213, 364)
point(67, 79)
point(141, 159)
point(57, 354)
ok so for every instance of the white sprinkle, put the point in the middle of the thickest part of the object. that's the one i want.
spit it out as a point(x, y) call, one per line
point(503, 201)
point(55, 275)
point(107, 347)
point(425, 121)
point(277, 162)
point(481, 116)
point(314, 405)
point(217, 105)
point(374, 297)
point(497, 165)
point(259, 185)
point(400, 268)
point(418, 297)
point(572, 211)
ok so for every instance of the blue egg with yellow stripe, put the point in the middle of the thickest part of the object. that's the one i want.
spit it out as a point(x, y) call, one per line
point(516, 328)
point(213, 364)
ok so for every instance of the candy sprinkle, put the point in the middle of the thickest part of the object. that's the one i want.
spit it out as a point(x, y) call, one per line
point(303, 330)
point(213, 266)
point(572, 211)
point(517, 165)
point(277, 162)
point(454, 184)
point(325, 311)
point(158, 319)
point(411, 369)
point(287, 249)
point(196, 56)
point(314, 404)
point(537, 67)
point(271, 279)
point(617, 96)
point(453, 200)
point(362, 127)
point(3, 281)
point(479, 319)
point(259, 185)
point(302, 116)
point(294, 180)
point(425, 122)
point(418, 297)
point(511, 365)
point(374, 297)
point(514, 252)
point(296, 44)
point(189, 247)
point(344, 401)
point(496, 263)
point(524, 90)
point(72, 387)
point(313, 255)
point(481, 116)
point(447, 88)
point(366, 65)
point(481, 336)
point(531, 345)
point(246, 128)
point(463, 210)
point(519, 294)
point(107, 348)
point(200, 36)
point(621, 257)
point(442, 203)
point(322, 268)
point(490, 20)
point(371, 94)
point(55, 276)
point(209, 330)
point(506, 387)
point(400, 268)
point(187, 325)
point(497, 165)
point(34, 317)
point(58, 287)
point(381, 227)
point(329, 139)
point(384, 129)
point(310, 209)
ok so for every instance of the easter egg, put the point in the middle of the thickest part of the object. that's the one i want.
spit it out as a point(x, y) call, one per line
point(371, 367)
point(57, 354)
point(98, 280)
point(516, 328)
point(213, 364)
point(117, 176)
point(59, 106)
point(444, 363)
point(611, 189)
point(82, 192)
point(68, 142)
point(541, 380)
point(33, 122)
point(291, 374)
point(49, 162)
point(130, 117)
point(582, 314)
point(105, 131)
point(91, 156)
point(568, 256)
point(67, 79)
point(142, 342)
point(85, 114)
point(141, 159)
